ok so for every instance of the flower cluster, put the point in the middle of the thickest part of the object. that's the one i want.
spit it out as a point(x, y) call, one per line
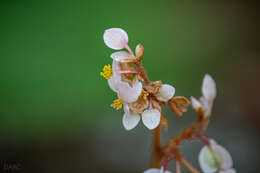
point(138, 101)
point(142, 99)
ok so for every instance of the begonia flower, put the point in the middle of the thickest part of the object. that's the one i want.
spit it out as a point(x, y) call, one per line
point(214, 158)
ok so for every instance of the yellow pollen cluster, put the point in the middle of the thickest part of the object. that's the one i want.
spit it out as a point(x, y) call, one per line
point(117, 104)
point(107, 72)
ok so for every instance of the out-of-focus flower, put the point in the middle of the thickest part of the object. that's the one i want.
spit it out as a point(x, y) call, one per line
point(215, 158)
point(208, 95)
point(155, 170)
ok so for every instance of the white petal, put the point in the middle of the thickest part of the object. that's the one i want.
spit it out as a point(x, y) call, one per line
point(130, 121)
point(154, 170)
point(129, 94)
point(115, 67)
point(115, 38)
point(226, 159)
point(151, 118)
point(195, 103)
point(209, 88)
point(126, 108)
point(207, 105)
point(122, 56)
point(114, 82)
point(232, 170)
point(205, 167)
point(166, 92)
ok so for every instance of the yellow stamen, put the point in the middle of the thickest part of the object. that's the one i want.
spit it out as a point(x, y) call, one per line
point(107, 72)
point(117, 104)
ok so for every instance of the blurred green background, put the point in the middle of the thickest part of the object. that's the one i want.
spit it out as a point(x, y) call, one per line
point(54, 106)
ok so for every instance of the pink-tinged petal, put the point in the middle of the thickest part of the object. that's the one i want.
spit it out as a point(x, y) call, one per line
point(115, 67)
point(166, 92)
point(115, 38)
point(151, 118)
point(209, 88)
point(129, 94)
point(122, 56)
point(115, 79)
point(232, 170)
point(130, 121)
point(195, 103)
point(155, 170)
point(114, 82)
point(206, 161)
point(226, 159)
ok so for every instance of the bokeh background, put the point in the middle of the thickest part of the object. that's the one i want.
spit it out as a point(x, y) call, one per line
point(54, 106)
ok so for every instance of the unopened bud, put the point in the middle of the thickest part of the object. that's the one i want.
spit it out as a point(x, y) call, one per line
point(139, 51)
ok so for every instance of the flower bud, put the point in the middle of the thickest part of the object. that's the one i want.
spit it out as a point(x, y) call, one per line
point(139, 51)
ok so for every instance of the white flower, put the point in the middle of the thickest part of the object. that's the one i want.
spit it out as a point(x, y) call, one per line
point(155, 170)
point(115, 38)
point(208, 95)
point(166, 92)
point(150, 117)
point(215, 159)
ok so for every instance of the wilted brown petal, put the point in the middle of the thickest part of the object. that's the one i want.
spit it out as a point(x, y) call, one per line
point(127, 66)
point(153, 87)
point(164, 122)
point(174, 108)
point(181, 100)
